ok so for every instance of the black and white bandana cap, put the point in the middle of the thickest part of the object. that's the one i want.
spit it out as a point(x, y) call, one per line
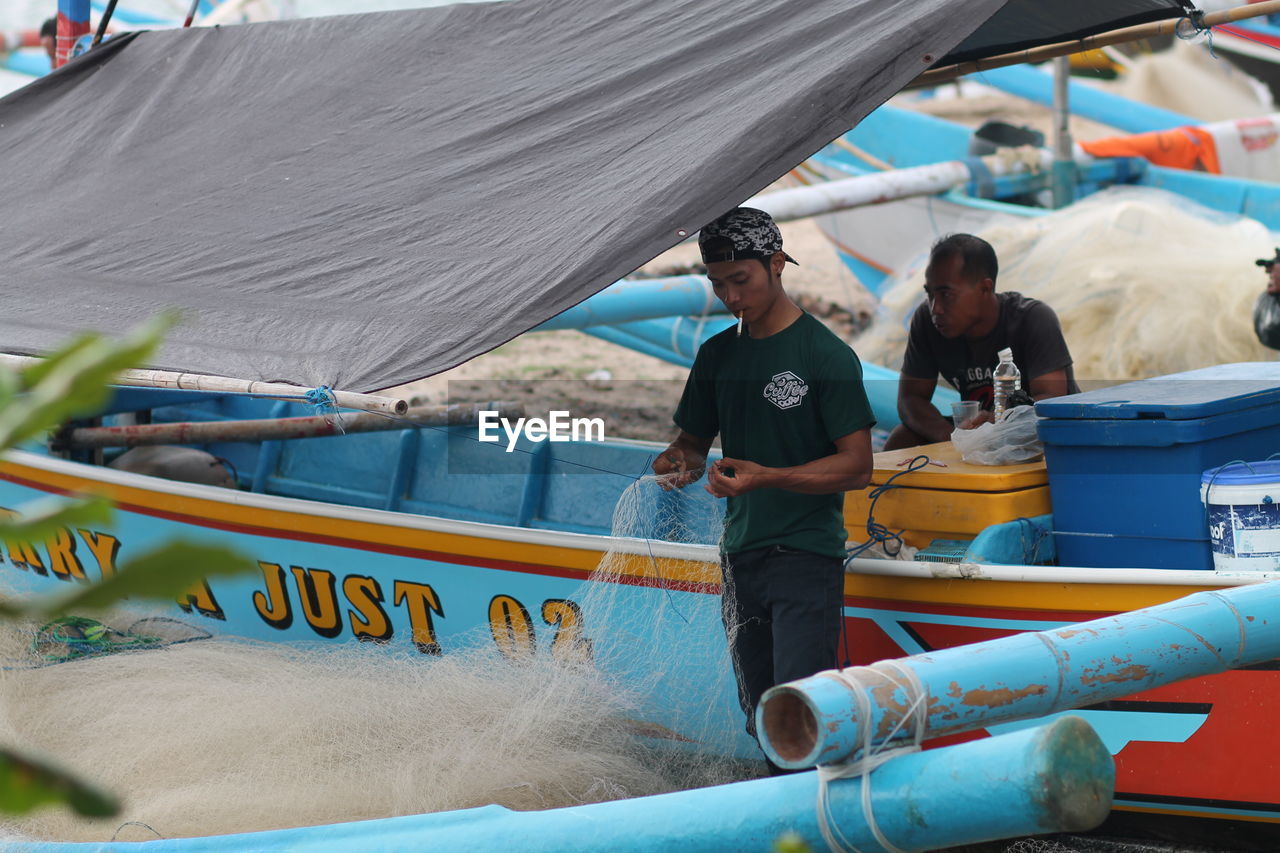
point(741, 234)
point(1269, 262)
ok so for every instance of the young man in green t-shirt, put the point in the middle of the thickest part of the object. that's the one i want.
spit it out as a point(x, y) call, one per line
point(785, 396)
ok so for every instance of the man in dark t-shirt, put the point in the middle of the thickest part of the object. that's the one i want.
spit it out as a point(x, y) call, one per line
point(958, 331)
point(1266, 311)
point(785, 396)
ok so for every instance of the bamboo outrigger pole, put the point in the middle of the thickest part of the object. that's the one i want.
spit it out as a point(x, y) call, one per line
point(226, 385)
point(1051, 51)
point(276, 429)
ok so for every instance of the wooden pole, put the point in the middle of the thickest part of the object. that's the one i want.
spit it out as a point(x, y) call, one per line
point(1126, 34)
point(276, 429)
point(1064, 158)
point(228, 385)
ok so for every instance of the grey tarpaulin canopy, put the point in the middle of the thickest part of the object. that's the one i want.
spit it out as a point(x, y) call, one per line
point(364, 200)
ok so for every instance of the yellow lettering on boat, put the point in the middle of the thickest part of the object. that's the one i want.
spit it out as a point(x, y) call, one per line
point(566, 617)
point(201, 598)
point(273, 606)
point(63, 561)
point(422, 602)
point(105, 549)
point(511, 626)
point(24, 556)
point(318, 594)
point(369, 621)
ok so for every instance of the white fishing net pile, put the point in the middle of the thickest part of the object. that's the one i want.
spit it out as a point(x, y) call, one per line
point(1144, 282)
point(1087, 844)
point(1188, 79)
point(681, 639)
point(222, 735)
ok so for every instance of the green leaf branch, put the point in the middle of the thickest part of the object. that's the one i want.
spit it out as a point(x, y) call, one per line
point(75, 382)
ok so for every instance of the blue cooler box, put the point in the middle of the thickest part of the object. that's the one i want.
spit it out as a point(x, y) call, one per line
point(1125, 462)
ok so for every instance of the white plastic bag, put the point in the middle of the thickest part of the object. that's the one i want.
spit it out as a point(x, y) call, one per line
point(1010, 441)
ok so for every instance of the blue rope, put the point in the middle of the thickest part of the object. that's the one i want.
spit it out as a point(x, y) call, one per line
point(322, 399)
point(879, 534)
point(1195, 25)
point(1040, 535)
point(323, 402)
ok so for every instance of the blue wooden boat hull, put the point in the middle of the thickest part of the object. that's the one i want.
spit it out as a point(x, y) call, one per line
point(428, 541)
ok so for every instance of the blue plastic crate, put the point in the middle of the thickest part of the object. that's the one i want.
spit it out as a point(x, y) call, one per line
point(944, 551)
point(1125, 462)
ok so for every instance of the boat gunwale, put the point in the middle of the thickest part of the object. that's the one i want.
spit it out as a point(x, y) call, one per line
point(1054, 574)
point(381, 517)
point(644, 547)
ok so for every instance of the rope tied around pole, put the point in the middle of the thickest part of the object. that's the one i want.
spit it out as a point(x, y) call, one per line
point(870, 756)
point(1193, 25)
point(324, 403)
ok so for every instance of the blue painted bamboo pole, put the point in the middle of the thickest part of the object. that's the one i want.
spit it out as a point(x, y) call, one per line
point(1055, 778)
point(682, 335)
point(73, 22)
point(822, 720)
point(1124, 114)
point(640, 299)
point(623, 339)
point(33, 62)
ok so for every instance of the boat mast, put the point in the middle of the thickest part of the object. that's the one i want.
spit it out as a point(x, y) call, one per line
point(73, 22)
point(1064, 161)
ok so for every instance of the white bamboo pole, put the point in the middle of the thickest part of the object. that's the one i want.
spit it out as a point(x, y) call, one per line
point(1064, 166)
point(830, 196)
point(1126, 34)
point(143, 378)
point(277, 429)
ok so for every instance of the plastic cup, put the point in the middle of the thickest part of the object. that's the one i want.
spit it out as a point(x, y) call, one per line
point(963, 412)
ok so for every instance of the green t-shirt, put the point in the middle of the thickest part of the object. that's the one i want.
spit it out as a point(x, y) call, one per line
point(778, 401)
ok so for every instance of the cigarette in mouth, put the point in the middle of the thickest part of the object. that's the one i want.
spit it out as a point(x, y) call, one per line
point(739, 324)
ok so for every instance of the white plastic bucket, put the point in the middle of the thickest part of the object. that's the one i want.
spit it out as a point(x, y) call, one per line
point(1242, 505)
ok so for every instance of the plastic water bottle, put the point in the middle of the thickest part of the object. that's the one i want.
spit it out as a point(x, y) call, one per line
point(1005, 380)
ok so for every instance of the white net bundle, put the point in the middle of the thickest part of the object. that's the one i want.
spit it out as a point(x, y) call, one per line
point(679, 648)
point(1087, 844)
point(217, 736)
point(1144, 282)
point(1188, 79)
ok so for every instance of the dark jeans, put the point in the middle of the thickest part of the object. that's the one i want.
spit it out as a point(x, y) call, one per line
point(781, 609)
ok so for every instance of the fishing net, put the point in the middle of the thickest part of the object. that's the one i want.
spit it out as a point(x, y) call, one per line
point(1144, 282)
point(1188, 79)
point(679, 649)
point(226, 735)
point(72, 637)
point(1083, 844)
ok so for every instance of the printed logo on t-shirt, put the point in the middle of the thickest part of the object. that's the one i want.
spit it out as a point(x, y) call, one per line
point(786, 390)
point(974, 384)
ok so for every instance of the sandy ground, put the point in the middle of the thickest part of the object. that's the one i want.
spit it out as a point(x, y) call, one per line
point(634, 393)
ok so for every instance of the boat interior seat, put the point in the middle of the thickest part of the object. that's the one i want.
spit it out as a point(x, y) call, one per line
point(448, 472)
